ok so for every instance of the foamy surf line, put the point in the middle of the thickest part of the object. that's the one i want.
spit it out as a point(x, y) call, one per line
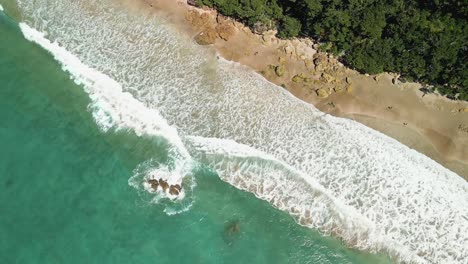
point(408, 197)
point(294, 192)
point(113, 108)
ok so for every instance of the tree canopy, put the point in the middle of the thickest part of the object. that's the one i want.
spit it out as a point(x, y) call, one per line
point(424, 40)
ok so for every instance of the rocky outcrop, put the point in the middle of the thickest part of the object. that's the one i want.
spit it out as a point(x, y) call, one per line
point(154, 183)
point(301, 78)
point(175, 189)
point(338, 89)
point(281, 60)
point(206, 37)
point(320, 61)
point(158, 184)
point(198, 19)
point(225, 29)
point(279, 70)
point(232, 228)
point(327, 78)
point(261, 27)
point(164, 185)
point(297, 78)
point(202, 20)
point(192, 3)
point(310, 65)
point(322, 93)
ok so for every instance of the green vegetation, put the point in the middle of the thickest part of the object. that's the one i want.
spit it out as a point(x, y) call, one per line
point(424, 40)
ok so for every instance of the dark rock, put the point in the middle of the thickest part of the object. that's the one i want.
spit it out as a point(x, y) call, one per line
point(173, 190)
point(154, 183)
point(164, 185)
point(192, 2)
point(231, 232)
point(233, 228)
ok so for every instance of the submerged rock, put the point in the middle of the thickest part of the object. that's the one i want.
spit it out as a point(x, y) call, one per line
point(231, 231)
point(233, 228)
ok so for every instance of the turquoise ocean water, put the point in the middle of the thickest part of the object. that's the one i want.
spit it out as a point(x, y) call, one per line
point(65, 197)
point(96, 97)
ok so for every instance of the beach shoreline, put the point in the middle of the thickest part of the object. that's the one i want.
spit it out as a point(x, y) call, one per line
point(429, 123)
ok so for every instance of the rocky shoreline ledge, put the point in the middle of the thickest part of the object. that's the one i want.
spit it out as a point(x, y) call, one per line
point(428, 123)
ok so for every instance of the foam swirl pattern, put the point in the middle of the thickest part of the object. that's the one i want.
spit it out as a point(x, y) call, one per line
point(291, 191)
point(395, 199)
point(114, 109)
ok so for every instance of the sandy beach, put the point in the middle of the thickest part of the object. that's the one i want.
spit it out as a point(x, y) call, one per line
point(248, 147)
point(428, 123)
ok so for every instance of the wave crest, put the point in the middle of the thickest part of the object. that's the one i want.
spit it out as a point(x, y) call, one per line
point(405, 195)
point(294, 192)
point(113, 108)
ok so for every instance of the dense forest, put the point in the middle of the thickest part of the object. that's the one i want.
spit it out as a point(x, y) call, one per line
point(424, 40)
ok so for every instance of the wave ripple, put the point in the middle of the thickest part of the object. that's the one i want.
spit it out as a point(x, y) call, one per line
point(355, 182)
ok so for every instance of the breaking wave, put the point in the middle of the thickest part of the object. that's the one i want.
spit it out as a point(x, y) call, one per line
point(114, 109)
point(292, 191)
point(332, 174)
point(152, 169)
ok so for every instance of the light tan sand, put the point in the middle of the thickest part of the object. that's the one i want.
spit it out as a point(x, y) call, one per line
point(432, 124)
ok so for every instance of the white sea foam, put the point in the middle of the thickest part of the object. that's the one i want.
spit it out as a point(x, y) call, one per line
point(152, 169)
point(411, 204)
point(294, 192)
point(113, 108)
point(1, 8)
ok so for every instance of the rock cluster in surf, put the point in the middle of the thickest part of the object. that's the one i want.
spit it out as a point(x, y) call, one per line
point(164, 186)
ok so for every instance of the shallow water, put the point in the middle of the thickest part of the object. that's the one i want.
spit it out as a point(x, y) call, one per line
point(64, 195)
point(331, 174)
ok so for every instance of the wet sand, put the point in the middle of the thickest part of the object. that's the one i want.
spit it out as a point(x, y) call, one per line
point(430, 124)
